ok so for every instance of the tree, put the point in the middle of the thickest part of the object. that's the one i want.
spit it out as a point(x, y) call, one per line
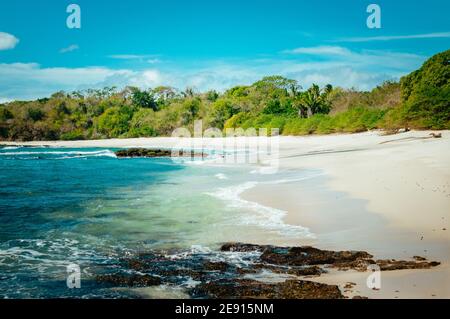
point(315, 100)
point(143, 99)
point(222, 110)
point(426, 94)
point(164, 94)
point(35, 114)
point(115, 121)
point(190, 109)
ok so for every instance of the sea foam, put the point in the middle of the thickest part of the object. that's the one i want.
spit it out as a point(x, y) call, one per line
point(266, 217)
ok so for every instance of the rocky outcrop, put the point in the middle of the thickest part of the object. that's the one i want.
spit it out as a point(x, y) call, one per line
point(218, 276)
point(144, 152)
point(252, 289)
point(343, 260)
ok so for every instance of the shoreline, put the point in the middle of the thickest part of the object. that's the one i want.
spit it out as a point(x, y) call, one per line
point(388, 195)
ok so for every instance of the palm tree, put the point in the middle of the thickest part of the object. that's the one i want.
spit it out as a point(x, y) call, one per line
point(315, 101)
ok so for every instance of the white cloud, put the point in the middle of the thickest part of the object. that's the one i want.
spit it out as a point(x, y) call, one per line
point(320, 50)
point(153, 61)
point(134, 57)
point(362, 70)
point(5, 100)
point(7, 41)
point(30, 80)
point(396, 37)
point(70, 48)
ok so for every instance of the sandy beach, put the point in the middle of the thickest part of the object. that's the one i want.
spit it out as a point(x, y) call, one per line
point(385, 194)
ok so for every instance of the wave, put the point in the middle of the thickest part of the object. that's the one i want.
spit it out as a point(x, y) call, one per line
point(67, 154)
point(10, 148)
point(266, 217)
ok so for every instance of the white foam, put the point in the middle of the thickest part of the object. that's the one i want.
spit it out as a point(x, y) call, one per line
point(264, 216)
point(69, 154)
point(10, 147)
point(221, 176)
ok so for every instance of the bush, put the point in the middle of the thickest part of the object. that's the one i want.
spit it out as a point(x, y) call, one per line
point(115, 121)
point(73, 136)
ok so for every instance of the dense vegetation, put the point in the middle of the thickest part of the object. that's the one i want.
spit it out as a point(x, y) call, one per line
point(421, 100)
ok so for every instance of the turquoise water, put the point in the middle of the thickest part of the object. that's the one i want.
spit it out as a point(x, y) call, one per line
point(85, 206)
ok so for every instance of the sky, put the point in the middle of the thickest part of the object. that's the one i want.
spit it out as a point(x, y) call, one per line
point(212, 44)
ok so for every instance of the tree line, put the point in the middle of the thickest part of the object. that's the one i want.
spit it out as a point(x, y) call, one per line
point(419, 100)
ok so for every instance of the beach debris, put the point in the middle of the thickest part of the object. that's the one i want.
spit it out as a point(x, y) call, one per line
point(394, 131)
point(436, 135)
point(349, 285)
point(145, 152)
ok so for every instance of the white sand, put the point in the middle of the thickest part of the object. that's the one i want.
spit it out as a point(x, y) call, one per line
point(389, 195)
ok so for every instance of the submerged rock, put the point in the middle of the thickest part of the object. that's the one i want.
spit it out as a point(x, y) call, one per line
point(144, 152)
point(252, 289)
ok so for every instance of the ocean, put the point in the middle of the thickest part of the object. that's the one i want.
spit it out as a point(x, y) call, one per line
point(61, 206)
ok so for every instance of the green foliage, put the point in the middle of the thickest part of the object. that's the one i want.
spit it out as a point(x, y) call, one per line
point(316, 100)
point(189, 111)
point(352, 121)
point(426, 94)
point(5, 114)
point(115, 121)
point(72, 135)
point(142, 124)
point(386, 95)
point(35, 114)
point(237, 120)
point(221, 111)
point(143, 99)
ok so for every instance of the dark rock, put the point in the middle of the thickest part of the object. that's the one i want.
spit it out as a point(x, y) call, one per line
point(144, 152)
point(216, 266)
point(129, 280)
point(225, 279)
point(301, 256)
point(349, 285)
point(419, 258)
point(391, 264)
point(252, 289)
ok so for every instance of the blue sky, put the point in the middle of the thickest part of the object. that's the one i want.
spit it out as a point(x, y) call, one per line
point(212, 44)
